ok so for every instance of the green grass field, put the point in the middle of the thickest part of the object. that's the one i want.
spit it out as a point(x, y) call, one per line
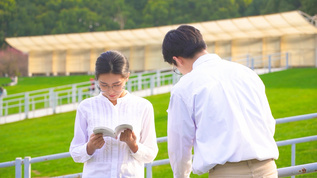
point(40, 82)
point(291, 92)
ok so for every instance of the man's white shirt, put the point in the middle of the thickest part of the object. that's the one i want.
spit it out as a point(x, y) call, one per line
point(220, 108)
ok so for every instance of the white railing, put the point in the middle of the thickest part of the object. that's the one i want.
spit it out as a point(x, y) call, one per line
point(27, 103)
point(270, 61)
point(282, 172)
point(50, 98)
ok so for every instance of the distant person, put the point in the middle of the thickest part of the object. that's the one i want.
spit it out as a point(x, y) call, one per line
point(14, 80)
point(3, 92)
point(106, 156)
point(92, 84)
point(220, 108)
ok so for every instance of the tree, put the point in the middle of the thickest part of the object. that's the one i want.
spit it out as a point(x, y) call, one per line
point(13, 63)
point(7, 8)
point(135, 17)
point(287, 5)
point(156, 13)
point(76, 20)
point(214, 10)
point(254, 8)
point(270, 7)
point(25, 22)
point(309, 7)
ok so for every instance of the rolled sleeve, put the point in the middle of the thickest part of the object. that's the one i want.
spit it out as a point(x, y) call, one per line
point(147, 145)
point(181, 133)
point(78, 147)
point(79, 153)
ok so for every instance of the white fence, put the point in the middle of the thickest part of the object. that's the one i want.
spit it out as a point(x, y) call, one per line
point(26, 104)
point(268, 62)
point(282, 172)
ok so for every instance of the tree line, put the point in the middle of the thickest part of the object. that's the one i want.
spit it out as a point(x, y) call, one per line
point(38, 17)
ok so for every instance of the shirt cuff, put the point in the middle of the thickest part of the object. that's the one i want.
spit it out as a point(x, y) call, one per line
point(138, 154)
point(85, 155)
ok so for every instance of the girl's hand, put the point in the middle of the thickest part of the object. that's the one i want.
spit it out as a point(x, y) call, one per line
point(95, 142)
point(129, 137)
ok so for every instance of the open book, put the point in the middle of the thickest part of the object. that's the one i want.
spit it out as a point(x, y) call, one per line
point(112, 133)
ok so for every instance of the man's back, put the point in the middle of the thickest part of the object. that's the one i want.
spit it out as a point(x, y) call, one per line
point(227, 103)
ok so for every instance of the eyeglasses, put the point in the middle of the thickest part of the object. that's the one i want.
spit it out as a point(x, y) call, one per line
point(176, 71)
point(106, 88)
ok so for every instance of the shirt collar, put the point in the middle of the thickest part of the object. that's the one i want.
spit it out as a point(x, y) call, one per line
point(119, 100)
point(205, 58)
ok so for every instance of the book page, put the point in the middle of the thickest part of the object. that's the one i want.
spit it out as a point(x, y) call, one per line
point(109, 132)
point(105, 131)
point(122, 127)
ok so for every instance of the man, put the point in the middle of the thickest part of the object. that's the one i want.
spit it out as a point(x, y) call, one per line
point(221, 109)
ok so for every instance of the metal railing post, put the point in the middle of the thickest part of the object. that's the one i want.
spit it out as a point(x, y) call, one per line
point(174, 78)
point(152, 84)
point(27, 167)
point(74, 93)
point(129, 86)
point(26, 104)
point(293, 153)
point(139, 81)
point(158, 78)
point(293, 156)
point(80, 95)
point(51, 99)
point(20, 106)
point(252, 63)
point(32, 103)
point(6, 107)
point(269, 64)
point(148, 170)
point(18, 167)
point(95, 91)
point(1, 103)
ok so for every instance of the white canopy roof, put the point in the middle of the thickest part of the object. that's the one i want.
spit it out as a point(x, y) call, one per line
point(273, 25)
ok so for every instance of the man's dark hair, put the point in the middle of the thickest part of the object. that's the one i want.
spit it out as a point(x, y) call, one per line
point(185, 42)
point(112, 62)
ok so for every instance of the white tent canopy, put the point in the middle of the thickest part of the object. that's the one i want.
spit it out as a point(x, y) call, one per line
point(274, 25)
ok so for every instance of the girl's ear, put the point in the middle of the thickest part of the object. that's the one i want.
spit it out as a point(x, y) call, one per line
point(128, 76)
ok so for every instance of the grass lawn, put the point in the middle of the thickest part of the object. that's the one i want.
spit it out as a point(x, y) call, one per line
point(291, 92)
point(41, 82)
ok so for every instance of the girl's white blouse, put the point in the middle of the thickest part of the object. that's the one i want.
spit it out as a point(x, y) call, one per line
point(114, 159)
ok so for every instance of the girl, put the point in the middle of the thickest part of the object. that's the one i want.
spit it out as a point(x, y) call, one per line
point(107, 156)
